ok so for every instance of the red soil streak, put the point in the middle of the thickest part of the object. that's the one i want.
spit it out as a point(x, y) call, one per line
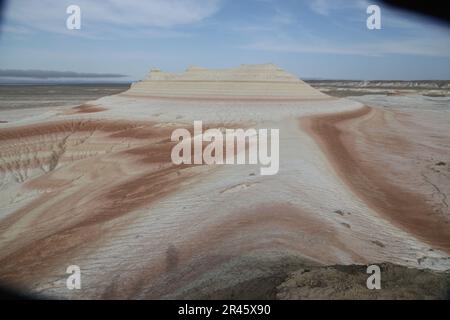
point(90, 209)
point(408, 210)
point(51, 136)
point(268, 227)
point(94, 209)
point(76, 125)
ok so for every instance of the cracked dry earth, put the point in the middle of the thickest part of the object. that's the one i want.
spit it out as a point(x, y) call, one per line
point(94, 186)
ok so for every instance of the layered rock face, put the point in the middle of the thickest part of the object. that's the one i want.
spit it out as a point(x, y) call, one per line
point(94, 186)
point(262, 82)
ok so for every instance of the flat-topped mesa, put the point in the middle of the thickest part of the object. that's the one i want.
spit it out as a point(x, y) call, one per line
point(248, 73)
point(247, 82)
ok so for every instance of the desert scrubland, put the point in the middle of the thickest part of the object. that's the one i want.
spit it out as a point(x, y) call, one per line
point(361, 180)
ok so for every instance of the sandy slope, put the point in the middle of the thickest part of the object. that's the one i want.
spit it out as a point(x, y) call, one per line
point(94, 186)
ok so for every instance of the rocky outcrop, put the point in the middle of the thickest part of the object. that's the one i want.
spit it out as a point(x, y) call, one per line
point(349, 282)
point(247, 82)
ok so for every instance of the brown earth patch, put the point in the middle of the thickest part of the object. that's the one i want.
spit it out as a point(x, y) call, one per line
point(411, 211)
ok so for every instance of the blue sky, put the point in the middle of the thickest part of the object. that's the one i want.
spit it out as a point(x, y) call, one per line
point(312, 39)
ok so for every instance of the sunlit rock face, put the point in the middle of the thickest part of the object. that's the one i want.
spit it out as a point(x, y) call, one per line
point(94, 186)
point(261, 82)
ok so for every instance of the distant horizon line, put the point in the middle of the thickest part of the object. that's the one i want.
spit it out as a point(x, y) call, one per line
point(37, 83)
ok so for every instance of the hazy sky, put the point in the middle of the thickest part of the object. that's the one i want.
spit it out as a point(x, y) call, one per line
point(312, 39)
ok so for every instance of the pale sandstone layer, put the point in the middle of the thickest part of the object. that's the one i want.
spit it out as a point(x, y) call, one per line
point(247, 82)
point(94, 186)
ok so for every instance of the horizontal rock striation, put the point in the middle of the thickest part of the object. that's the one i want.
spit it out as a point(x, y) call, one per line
point(247, 82)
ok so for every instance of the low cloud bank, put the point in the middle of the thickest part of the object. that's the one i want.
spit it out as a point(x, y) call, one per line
point(47, 74)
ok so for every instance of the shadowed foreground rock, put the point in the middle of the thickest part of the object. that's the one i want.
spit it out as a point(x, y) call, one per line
point(349, 282)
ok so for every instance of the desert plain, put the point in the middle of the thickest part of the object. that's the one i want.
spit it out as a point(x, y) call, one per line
point(364, 178)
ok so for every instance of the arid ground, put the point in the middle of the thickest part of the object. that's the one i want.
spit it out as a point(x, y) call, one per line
point(86, 179)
